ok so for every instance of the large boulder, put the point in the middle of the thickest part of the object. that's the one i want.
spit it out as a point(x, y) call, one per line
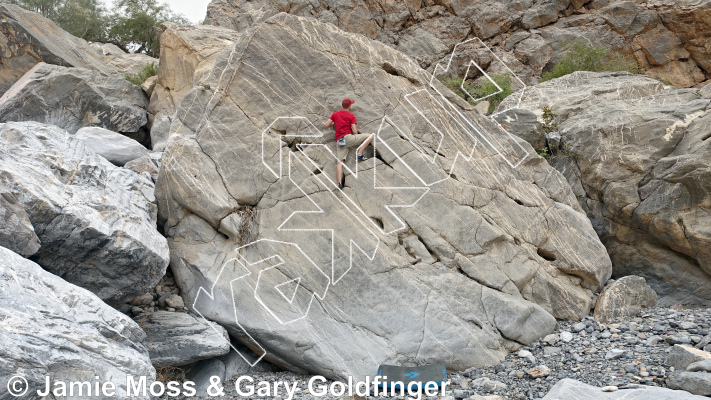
point(176, 338)
point(73, 98)
point(681, 357)
point(624, 298)
point(16, 232)
point(53, 328)
point(440, 263)
point(667, 38)
point(700, 366)
point(27, 38)
point(113, 146)
point(636, 154)
point(693, 382)
point(124, 63)
point(570, 389)
point(95, 221)
point(187, 53)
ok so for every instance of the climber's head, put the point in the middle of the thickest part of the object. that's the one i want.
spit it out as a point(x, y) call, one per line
point(347, 103)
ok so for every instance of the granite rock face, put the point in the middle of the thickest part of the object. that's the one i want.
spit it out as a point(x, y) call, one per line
point(176, 338)
point(51, 327)
point(459, 273)
point(667, 38)
point(187, 53)
point(95, 221)
point(27, 38)
point(636, 155)
point(73, 98)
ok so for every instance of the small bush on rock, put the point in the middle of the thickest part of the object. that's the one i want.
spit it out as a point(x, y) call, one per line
point(488, 88)
point(148, 70)
point(582, 56)
point(455, 85)
point(483, 88)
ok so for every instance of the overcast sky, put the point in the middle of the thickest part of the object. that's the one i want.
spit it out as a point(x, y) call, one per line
point(194, 10)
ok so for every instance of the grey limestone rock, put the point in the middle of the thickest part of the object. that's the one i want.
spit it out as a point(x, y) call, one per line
point(16, 232)
point(53, 328)
point(636, 155)
point(73, 98)
point(698, 383)
point(666, 38)
point(482, 276)
point(682, 356)
point(570, 389)
point(176, 338)
point(28, 38)
point(115, 147)
point(624, 298)
point(96, 222)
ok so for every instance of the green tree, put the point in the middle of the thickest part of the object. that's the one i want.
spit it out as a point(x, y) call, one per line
point(134, 25)
point(84, 18)
point(47, 8)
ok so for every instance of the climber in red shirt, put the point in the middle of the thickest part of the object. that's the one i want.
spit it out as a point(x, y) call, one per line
point(347, 137)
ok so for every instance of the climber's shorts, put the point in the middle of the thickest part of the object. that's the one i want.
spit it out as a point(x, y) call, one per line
point(351, 142)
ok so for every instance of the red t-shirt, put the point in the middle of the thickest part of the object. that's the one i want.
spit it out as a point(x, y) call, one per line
point(342, 120)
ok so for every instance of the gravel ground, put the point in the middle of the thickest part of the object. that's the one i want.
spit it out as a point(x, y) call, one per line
point(621, 354)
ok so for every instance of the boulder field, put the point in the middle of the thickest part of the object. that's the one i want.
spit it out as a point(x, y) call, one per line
point(192, 225)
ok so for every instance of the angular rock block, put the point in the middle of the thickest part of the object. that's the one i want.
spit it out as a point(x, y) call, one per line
point(29, 38)
point(53, 328)
point(187, 53)
point(16, 232)
point(635, 152)
point(570, 389)
point(73, 98)
point(115, 147)
point(96, 222)
point(176, 338)
point(624, 298)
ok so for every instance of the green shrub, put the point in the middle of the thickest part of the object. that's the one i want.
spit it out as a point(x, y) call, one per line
point(582, 56)
point(148, 70)
point(486, 87)
point(482, 89)
point(455, 85)
point(550, 123)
